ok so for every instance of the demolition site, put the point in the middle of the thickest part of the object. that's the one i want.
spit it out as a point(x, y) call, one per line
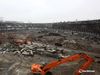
point(62, 48)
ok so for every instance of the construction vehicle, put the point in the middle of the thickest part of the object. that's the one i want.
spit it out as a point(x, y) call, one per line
point(38, 69)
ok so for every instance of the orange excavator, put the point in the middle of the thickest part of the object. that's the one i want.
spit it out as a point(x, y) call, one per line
point(38, 69)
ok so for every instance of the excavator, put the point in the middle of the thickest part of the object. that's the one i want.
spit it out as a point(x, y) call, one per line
point(38, 69)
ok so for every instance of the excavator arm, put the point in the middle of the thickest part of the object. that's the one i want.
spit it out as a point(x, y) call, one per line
point(72, 58)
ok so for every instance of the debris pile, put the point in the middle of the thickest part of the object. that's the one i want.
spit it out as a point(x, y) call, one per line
point(33, 49)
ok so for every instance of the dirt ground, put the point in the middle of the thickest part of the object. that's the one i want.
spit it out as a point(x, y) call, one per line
point(11, 64)
point(19, 65)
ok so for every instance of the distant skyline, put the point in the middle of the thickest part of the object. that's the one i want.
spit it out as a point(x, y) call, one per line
point(48, 11)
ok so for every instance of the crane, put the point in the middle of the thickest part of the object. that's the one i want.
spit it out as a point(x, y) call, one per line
point(38, 69)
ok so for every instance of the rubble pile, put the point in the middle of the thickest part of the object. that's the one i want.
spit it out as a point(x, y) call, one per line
point(33, 49)
point(72, 40)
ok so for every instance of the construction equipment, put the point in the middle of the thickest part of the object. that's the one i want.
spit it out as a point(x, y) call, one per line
point(38, 69)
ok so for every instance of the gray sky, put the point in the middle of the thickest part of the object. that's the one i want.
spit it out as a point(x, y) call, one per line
point(42, 11)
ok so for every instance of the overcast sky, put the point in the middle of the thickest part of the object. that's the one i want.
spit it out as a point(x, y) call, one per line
point(41, 11)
